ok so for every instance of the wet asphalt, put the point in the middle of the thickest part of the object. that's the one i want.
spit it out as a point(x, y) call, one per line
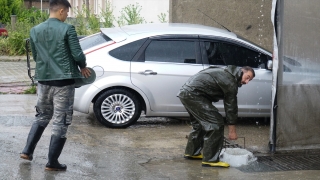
point(151, 149)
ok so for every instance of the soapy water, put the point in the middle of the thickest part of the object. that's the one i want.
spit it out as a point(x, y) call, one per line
point(237, 157)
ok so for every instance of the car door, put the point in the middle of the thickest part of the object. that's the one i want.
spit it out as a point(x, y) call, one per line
point(162, 66)
point(254, 99)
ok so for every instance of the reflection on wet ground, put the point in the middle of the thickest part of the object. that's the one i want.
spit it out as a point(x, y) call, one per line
point(153, 148)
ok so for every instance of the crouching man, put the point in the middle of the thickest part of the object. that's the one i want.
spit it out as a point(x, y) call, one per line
point(197, 94)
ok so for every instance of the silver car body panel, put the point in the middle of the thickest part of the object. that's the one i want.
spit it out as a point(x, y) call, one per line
point(110, 71)
point(162, 97)
point(163, 101)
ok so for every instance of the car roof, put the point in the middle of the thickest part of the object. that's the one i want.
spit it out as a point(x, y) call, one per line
point(119, 34)
point(179, 28)
point(152, 29)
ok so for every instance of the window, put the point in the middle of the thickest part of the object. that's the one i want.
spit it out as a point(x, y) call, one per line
point(93, 41)
point(212, 54)
point(220, 53)
point(126, 52)
point(171, 51)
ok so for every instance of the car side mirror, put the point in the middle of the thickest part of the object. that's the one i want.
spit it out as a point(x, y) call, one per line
point(270, 64)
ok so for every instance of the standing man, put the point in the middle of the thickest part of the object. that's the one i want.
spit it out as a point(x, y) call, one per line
point(197, 94)
point(58, 55)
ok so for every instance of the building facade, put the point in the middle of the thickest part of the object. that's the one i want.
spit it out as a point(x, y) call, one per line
point(150, 9)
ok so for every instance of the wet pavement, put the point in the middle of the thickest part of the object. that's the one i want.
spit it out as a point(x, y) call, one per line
point(14, 77)
point(151, 149)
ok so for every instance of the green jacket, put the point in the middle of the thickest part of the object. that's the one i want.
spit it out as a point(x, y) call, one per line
point(55, 48)
point(218, 84)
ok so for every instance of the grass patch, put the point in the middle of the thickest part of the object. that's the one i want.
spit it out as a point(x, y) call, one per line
point(31, 90)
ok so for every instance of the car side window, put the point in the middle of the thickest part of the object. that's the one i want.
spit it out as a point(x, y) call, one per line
point(213, 54)
point(126, 52)
point(174, 51)
point(221, 53)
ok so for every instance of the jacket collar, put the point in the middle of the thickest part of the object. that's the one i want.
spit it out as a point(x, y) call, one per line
point(236, 72)
point(53, 19)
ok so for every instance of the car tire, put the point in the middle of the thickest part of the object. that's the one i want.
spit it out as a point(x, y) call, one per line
point(117, 108)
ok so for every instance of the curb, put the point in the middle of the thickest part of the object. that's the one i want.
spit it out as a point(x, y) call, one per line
point(14, 88)
point(13, 58)
point(13, 84)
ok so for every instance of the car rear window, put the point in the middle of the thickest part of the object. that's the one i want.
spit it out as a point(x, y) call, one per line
point(126, 52)
point(94, 40)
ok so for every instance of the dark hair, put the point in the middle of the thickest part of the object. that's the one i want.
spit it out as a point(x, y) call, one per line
point(248, 68)
point(53, 4)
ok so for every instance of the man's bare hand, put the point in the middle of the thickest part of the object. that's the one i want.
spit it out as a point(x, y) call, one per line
point(232, 132)
point(85, 72)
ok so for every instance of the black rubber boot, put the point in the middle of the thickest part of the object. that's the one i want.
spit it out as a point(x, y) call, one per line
point(55, 149)
point(32, 140)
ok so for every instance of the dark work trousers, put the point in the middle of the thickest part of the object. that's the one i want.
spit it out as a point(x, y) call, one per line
point(207, 127)
point(55, 103)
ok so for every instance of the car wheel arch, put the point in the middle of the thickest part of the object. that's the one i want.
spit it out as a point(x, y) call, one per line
point(141, 99)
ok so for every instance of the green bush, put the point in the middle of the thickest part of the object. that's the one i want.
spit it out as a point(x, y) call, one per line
point(86, 23)
point(9, 7)
point(163, 18)
point(79, 22)
point(130, 14)
point(31, 90)
point(14, 44)
point(4, 50)
point(93, 23)
point(106, 14)
point(33, 16)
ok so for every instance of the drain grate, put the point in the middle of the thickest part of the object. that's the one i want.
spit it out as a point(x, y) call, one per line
point(283, 163)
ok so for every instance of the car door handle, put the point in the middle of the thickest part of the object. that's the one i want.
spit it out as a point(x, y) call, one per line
point(148, 72)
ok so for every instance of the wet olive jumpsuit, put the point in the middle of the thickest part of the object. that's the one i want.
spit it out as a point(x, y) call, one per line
point(197, 94)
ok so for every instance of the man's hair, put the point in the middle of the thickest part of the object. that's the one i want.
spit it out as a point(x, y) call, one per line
point(57, 4)
point(248, 68)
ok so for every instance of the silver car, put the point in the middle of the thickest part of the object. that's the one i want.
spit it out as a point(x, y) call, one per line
point(140, 69)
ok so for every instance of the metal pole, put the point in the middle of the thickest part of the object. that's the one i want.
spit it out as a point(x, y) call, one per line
point(41, 6)
point(13, 21)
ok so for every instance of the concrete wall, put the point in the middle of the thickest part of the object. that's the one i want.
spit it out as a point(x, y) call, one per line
point(250, 19)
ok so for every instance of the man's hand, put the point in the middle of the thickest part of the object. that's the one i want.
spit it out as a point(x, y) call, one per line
point(232, 132)
point(85, 72)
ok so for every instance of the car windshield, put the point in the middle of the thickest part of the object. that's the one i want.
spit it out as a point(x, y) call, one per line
point(93, 40)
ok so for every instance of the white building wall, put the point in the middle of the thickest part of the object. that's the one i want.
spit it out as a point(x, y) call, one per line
point(150, 9)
